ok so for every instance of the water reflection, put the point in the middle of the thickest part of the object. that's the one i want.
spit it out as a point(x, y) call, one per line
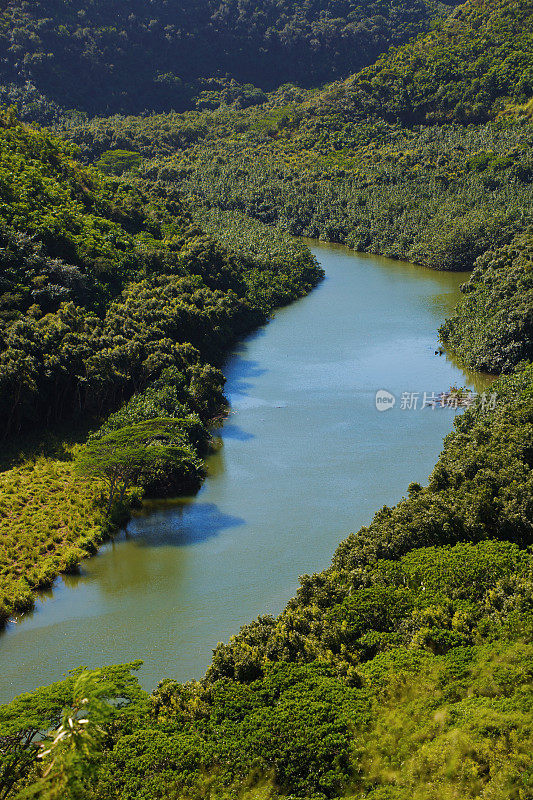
point(242, 372)
point(479, 381)
point(232, 431)
point(179, 523)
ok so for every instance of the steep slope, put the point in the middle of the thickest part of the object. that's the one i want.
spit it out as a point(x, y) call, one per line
point(128, 55)
point(402, 671)
point(348, 164)
point(465, 70)
point(492, 329)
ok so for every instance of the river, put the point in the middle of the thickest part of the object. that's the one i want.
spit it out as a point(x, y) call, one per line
point(306, 459)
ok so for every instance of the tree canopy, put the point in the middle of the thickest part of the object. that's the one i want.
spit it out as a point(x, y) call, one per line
point(122, 456)
point(110, 56)
point(113, 301)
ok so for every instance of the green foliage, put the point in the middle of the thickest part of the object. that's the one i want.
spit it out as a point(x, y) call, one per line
point(400, 723)
point(49, 520)
point(69, 755)
point(479, 490)
point(81, 220)
point(111, 301)
point(130, 454)
point(440, 196)
point(105, 285)
point(375, 187)
point(172, 397)
point(492, 328)
point(115, 162)
point(116, 56)
point(403, 671)
point(315, 164)
point(279, 267)
point(459, 727)
point(463, 70)
point(84, 709)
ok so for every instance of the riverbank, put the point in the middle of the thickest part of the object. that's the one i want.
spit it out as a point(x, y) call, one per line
point(113, 313)
point(302, 394)
point(414, 643)
point(52, 518)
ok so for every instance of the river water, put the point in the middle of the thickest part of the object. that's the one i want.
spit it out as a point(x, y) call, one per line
point(306, 459)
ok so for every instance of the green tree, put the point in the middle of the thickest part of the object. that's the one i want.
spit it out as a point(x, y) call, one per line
point(115, 162)
point(69, 754)
point(62, 726)
point(119, 457)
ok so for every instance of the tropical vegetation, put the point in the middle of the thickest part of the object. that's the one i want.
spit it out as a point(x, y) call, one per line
point(136, 249)
point(110, 56)
point(492, 329)
point(402, 670)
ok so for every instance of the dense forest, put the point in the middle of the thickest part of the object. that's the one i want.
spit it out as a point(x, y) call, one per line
point(136, 249)
point(492, 329)
point(474, 60)
point(128, 55)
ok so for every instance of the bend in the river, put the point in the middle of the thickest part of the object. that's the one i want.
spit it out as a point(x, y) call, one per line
point(306, 459)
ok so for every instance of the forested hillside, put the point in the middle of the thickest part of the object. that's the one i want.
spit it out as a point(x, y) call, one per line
point(492, 329)
point(403, 670)
point(347, 164)
point(475, 60)
point(129, 55)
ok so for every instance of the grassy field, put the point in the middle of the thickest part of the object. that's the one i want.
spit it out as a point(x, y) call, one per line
point(49, 520)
